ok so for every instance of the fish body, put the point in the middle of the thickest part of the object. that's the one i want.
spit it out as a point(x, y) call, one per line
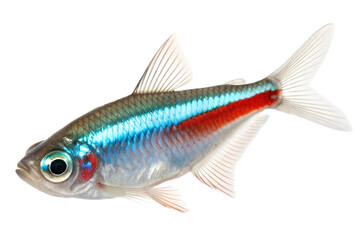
point(141, 144)
point(128, 147)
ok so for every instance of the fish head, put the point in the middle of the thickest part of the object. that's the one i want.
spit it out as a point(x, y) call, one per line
point(64, 169)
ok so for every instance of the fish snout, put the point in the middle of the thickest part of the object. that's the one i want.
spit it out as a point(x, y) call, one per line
point(23, 170)
point(22, 167)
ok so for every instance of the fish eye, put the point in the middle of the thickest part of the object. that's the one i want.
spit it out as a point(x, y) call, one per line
point(56, 166)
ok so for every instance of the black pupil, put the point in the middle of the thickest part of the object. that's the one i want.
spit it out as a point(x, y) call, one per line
point(58, 166)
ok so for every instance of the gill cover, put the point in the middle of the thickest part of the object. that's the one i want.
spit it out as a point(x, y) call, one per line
point(87, 162)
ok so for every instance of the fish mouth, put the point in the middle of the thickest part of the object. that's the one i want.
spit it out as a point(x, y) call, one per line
point(23, 171)
point(29, 175)
point(22, 167)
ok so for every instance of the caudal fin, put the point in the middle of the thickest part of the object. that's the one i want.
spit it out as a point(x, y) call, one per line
point(294, 77)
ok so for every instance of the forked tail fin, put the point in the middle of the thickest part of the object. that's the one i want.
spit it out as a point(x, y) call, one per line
point(294, 77)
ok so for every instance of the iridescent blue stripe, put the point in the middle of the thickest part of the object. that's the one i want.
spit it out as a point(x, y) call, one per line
point(168, 116)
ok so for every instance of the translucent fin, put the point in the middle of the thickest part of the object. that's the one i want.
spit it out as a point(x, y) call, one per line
point(130, 193)
point(294, 77)
point(238, 81)
point(165, 196)
point(216, 169)
point(167, 71)
point(168, 198)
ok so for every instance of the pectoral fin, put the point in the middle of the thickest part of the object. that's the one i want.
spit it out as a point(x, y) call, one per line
point(165, 196)
point(168, 198)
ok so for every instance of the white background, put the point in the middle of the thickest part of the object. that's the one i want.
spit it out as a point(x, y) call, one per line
point(60, 59)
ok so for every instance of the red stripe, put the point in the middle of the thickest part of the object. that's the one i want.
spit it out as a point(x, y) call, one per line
point(212, 120)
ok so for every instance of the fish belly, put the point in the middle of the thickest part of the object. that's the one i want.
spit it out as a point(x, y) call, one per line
point(161, 155)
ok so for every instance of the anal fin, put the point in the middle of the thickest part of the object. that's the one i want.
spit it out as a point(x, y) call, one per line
point(216, 169)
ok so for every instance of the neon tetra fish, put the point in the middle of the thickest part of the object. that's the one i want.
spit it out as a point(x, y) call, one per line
point(128, 147)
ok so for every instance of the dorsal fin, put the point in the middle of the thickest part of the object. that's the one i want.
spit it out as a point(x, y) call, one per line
point(216, 169)
point(238, 81)
point(167, 71)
